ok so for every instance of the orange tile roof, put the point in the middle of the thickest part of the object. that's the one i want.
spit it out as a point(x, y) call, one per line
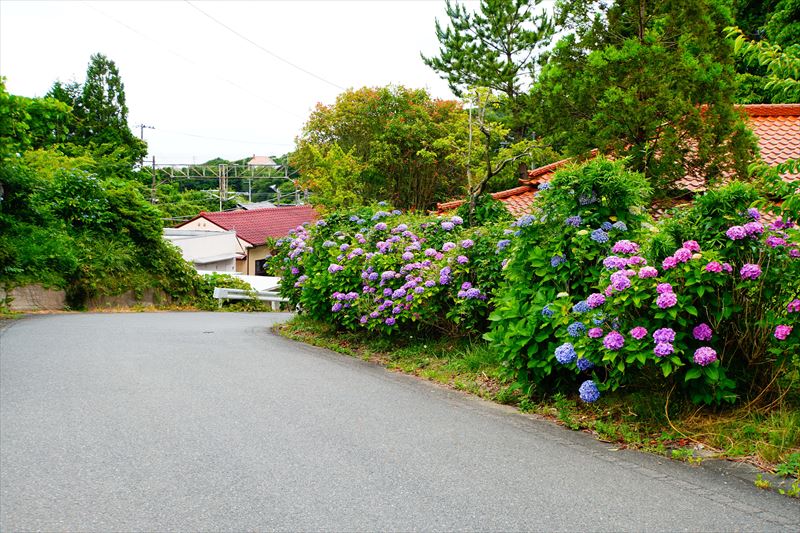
point(256, 225)
point(776, 126)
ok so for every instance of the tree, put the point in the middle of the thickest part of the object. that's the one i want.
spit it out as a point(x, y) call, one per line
point(409, 149)
point(652, 82)
point(497, 48)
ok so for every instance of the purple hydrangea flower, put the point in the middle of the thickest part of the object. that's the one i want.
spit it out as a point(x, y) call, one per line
point(556, 260)
point(794, 306)
point(612, 262)
point(595, 333)
point(474, 293)
point(753, 213)
point(462, 259)
point(736, 233)
point(446, 247)
point(588, 391)
point(447, 225)
point(620, 281)
point(614, 340)
point(328, 244)
point(638, 333)
point(648, 272)
point(457, 220)
point(595, 300)
point(726, 267)
point(390, 321)
point(381, 226)
point(576, 329)
point(625, 247)
point(337, 307)
point(773, 241)
point(663, 288)
point(754, 228)
point(502, 244)
point(714, 266)
point(666, 300)
point(750, 271)
point(333, 268)
point(663, 349)
point(704, 356)
point(664, 335)
point(702, 332)
point(430, 283)
point(574, 220)
point(565, 353)
point(389, 274)
point(407, 256)
point(782, 331)
point(584, 364)
point(635, 260)
point(467, 243)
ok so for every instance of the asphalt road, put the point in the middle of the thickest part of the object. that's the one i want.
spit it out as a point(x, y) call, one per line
point(207, 421)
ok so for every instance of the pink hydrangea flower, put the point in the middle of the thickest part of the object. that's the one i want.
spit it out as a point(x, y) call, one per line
point(714, 266)
point(704, 356)
point(636, 260)
point(638, 333)
point(648, 272)
point(666, 300)
point(669, 262)
point(736, 233)
point(782, 331)
point(754, 228)
point(692, 246)
point(625, 247)
point(794, 306)
point(663, 288)
point(595, 300)
point(726, 267)
point(682, 255)
point(774, 241)
point(614, 340)
point(750, 271)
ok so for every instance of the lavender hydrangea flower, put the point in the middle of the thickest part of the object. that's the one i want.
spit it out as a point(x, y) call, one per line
point(502, 244)
point(576, 329)
point(543, 186)
point(328, 244)
point(599, 235)
point(524, 220)
point(574, 220)
point(702, 332)
point(457, 220)
point(556, 260)
point(430, 283)
point(726, 267)
point(782, 331)
point(613, 262)
point(666, 300)
point(381, 226)
point(663, 349)
point(588, 391)
point(583, 364)
point(736, 233)
point(648, 272)
point(750, 271)
point(447, 225)
point(467, 243)
point(595, 333)
point(333, 268)
point(636, 260)
point(638, 333)
point(407, 256)
point(704, 356)
point(595, 300)
point(664, 335)
point(620, 226)
point(614, 340)
point(474, 293)
point(462, 259)
point(565, 353)
point(446, 247)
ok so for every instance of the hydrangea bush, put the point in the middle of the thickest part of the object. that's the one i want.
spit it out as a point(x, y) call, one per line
point(557, 257)
point(386, 271)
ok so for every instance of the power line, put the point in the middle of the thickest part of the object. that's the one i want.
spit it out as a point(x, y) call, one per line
point(222, 138)
point(191, 61)
point(273, 54)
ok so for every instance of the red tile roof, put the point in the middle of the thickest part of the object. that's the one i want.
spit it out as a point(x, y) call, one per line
point(256, 225)
point(777, 127)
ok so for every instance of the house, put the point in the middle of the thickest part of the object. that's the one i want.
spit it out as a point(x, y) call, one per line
point(776, 126)
point(207, 250)
point(253, 228)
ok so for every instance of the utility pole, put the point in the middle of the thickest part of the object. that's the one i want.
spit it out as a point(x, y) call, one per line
point(141, 138)
point(153, 186)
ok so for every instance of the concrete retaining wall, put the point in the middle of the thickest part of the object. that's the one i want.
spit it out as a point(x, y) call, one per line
point(37, 298)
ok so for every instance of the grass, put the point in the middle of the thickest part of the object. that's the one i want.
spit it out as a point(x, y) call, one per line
point(645, 420)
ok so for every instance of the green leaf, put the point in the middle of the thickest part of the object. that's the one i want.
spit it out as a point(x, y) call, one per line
point(693, 373)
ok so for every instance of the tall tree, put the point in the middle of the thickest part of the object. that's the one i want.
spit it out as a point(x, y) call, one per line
point(652, 82)
point(496, 47)
point(405, 146)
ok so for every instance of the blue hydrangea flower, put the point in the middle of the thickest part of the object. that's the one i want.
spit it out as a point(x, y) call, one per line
point(586, 199)
point(580, 307)
point(353, 218)
point(502, 244)
point(397, 212)
point(565, 354)
point(525, 220)
point(546, 311)
point(556, 260)
point(543, 186)
point(574, 220)
point(576, 329)
point(588, 391)
point(606, 226)
point(620, 226)
point(584, 364)
point(599, 235)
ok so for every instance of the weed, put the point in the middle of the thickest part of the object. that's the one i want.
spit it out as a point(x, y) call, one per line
point(761, 483)
point(790, 467)
point(566, 410)
point(794, 489)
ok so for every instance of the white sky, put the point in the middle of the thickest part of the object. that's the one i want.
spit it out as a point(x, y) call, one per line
point(207, 92)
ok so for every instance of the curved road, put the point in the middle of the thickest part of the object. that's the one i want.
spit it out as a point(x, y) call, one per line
point(207, 421)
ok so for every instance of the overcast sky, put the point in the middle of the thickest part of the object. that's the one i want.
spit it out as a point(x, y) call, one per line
point(208, 92)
